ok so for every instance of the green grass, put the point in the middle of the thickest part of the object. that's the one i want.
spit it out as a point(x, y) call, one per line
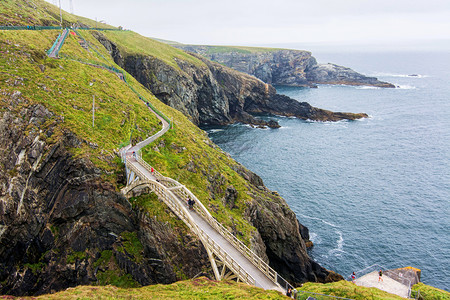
point(77, 255)
point(200, 288)
point(67, 87)
point(239, 49)
point(132, 246)
point(134, 43)
point(427, 292)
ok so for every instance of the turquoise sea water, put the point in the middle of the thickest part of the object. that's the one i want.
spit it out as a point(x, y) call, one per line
point(373, 191)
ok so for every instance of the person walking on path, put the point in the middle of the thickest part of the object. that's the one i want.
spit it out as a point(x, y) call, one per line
point(289, 292)
point(353, 277)
point(380, 276)
point(191, 203)
point(152, 170)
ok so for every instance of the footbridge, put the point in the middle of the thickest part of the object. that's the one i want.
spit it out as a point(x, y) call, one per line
point(229, 257)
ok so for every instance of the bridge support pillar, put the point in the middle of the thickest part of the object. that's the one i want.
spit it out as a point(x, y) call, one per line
point(131, 176)
point(213, 264)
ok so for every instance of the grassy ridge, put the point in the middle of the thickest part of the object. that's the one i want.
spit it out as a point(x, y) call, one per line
point(239, 49)
point(429, 292)
point(134, 43)
point(200, 288)
point(39, 12)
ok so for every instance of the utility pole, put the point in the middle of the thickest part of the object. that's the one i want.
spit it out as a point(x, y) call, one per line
point(93, 110)
point(60, 13)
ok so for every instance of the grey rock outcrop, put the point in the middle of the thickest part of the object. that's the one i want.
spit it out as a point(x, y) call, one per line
point(334, 74)
point(284, 67)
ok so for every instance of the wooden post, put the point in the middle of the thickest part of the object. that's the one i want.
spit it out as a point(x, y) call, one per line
point(60, 14)
point(93, 110)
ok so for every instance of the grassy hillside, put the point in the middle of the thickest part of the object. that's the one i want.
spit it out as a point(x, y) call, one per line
point(200, 288)
point(135, 43)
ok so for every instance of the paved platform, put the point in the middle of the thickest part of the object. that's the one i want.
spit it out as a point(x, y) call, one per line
point(388, 284)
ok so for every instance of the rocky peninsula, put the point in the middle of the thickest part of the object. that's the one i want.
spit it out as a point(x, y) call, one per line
point(282, 66)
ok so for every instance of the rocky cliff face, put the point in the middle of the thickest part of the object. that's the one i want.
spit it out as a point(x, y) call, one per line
point(212, 94)
point(284, 67)
point(62, 225)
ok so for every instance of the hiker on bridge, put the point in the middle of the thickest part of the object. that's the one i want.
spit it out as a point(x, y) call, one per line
point(191, 203)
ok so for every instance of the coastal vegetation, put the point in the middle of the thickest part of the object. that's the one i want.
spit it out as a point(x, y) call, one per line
point(204, 288)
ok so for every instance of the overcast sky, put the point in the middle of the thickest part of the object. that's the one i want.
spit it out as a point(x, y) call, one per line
point(262, 22)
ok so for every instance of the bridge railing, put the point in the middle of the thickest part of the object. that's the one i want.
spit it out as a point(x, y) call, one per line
point(62, 40)
point(184, 194)
point(54, 45)
point(30, 27)
point(181, 211)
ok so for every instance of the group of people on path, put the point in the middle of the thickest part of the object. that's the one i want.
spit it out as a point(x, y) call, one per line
point(291, 293)
point(380, 276)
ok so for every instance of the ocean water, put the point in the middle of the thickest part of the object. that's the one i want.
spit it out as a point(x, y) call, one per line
point(372, 191)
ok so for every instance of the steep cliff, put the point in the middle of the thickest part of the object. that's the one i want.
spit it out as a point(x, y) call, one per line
point(209, 93)
point(283, 67)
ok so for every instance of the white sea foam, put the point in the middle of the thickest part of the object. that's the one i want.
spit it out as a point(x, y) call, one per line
point(381, 74)
point(365, 87)
point(318, 219)
point(315, 238)
point(405, 87)
point(339, 246)
point(215, 130)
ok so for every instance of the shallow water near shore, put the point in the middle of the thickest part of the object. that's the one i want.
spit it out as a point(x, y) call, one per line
point(372, 191)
